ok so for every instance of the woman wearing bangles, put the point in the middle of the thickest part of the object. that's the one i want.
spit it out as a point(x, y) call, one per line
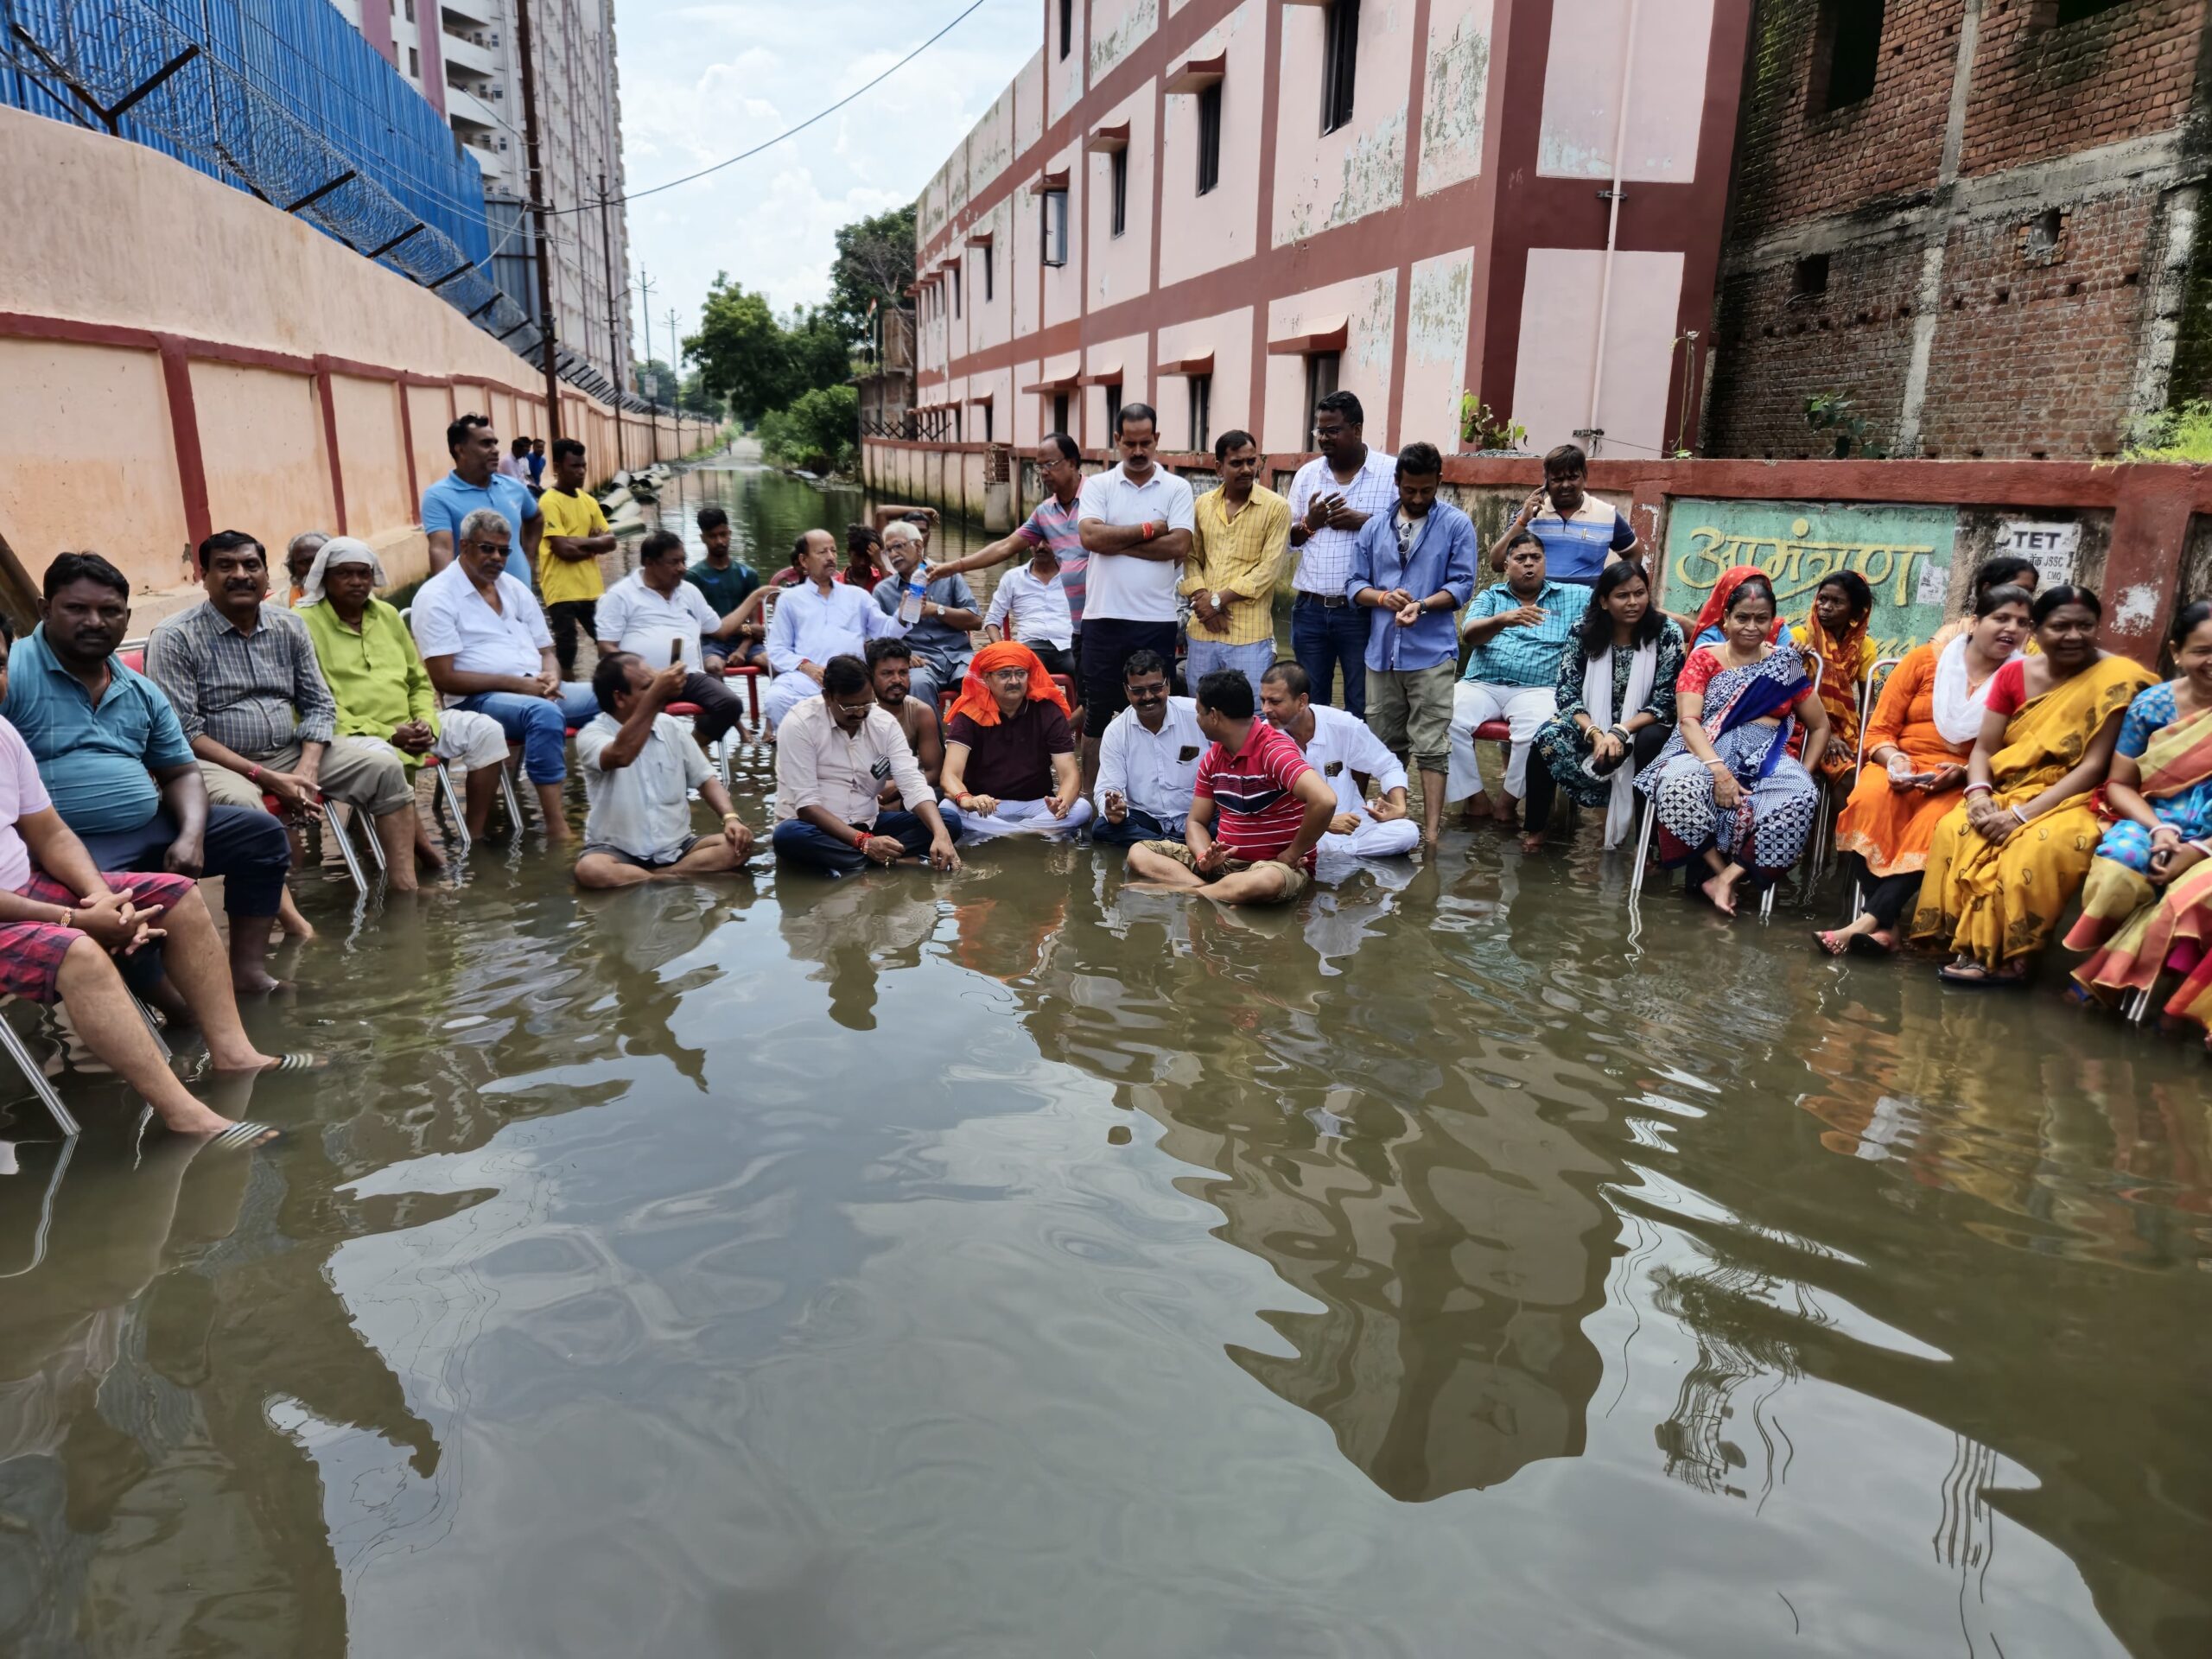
point(1918, 743)
point(2003, 866)
point(2147, 905)
point(1615, 695)
point(1726, 788)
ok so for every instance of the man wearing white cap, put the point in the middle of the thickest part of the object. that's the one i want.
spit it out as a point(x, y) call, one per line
point(382, 690)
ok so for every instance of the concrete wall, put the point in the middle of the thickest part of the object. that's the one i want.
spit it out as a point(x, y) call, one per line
point(177, 358)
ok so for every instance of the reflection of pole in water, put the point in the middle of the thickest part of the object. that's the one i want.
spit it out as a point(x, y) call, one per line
point(1695, 1440)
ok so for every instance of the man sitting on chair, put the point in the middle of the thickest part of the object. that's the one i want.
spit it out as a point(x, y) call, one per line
point(817, 618)
point(1010, 761)
point(1343, 751)
point(639, 768)
point(653, 610)
point(64, 925)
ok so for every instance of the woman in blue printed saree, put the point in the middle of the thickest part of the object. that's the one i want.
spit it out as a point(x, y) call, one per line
point(1728, 787)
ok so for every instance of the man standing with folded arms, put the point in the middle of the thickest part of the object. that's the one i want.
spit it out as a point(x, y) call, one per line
point(1134, 521)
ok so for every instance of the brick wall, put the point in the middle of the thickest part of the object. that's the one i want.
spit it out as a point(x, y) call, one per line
point(2041, 92)
point(2036, 352)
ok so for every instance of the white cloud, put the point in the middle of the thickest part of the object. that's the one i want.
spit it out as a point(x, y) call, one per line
point(701, 82)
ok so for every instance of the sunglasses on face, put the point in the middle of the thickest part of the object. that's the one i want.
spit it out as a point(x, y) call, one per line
point(1147, 693)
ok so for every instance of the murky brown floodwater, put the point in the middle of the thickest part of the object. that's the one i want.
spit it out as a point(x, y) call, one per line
point(1007, 1265)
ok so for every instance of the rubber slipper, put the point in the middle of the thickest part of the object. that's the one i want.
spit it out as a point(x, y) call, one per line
point(248, 1134)
point(1979, 979)
point(1865, 945)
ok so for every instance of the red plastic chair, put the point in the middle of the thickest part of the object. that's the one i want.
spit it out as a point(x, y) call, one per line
point(751, 676)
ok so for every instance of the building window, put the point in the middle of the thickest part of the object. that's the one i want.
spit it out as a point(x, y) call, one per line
point(1117, 196)
point(2045, 231)
point(1067, 27)
point(1339, 62)
point(1320, 382)
point(414, 63)
point(1201, 412)
point(987, 423)
point(1060, 412)
point(955, 275)
point(1209, 137)
point(411, 10)
point(1808, 278)
point(2072, 11)
point(990, 281)
point(1055, 218)
point(1846, 52)
point(1113, 407)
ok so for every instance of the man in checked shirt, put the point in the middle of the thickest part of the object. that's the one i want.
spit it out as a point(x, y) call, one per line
point(247, 689)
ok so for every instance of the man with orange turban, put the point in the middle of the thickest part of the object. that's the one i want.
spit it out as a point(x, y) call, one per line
point(1009, 751)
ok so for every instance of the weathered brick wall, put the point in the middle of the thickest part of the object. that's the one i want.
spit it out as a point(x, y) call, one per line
point(2035, 354)
point(1773, 352)
point(2040, 92)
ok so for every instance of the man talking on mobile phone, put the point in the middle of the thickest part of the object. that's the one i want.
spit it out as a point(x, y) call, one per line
point(1580, 534)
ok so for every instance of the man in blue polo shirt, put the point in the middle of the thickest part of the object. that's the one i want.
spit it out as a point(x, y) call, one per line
point(476, 482)
point(112, 755)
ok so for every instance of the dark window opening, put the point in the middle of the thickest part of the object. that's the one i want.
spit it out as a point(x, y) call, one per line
point(1201, 412)
point(956, 290)
point(1846, 52)
point(1067, 27)
point(1060, 413)
point(1809, 279)
point(1117, 170)
point(1339, 62)
point(1209, 139)
point(987, 423)
point(2042, 235)
point(1113, 407)
point(414, 63)
point(1320, 381)
point(990, 282)
point(1055, 220)
point(2073, 11)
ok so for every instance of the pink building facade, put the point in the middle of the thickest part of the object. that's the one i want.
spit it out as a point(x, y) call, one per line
point(1224, 208)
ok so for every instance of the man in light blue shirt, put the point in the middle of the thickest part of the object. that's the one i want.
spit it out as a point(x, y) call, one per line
point(817, 618)
point(1520, 629)
point(474, 483)
point(1411, 570)
point(950, 614)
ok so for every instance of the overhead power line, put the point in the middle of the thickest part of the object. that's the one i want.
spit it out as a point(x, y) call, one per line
point(788, 133)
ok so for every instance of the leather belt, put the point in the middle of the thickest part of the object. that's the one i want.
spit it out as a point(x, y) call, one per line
point(1327, 601)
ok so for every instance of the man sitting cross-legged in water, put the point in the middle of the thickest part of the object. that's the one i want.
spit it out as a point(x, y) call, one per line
point(64, 925)
point(1257, 812)
point(640, 767)
point(1009, 750)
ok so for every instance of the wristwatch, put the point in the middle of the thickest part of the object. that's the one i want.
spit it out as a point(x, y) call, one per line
point(1216, 600)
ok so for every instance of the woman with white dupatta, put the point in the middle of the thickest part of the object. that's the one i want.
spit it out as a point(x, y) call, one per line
point(1918, 746)
point(1616, 694)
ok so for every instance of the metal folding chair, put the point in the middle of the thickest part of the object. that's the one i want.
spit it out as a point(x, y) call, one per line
point(34, 1074)
point(1877, 678)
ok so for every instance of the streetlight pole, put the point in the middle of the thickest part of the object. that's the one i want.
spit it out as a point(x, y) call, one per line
point(545, 329)
point(675, 372)
point(615, 352)
point(652, 414)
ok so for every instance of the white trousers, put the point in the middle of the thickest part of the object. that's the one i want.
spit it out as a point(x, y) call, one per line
point(469, 741)
point(1524, 708)
point(1023, 818)
point(785, 693)
point(1372, 840)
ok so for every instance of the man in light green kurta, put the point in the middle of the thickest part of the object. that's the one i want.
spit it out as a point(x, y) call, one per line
point(376, 675)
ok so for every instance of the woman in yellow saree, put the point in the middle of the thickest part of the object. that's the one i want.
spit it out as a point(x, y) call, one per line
point(2143, 907)
point(2005, 865)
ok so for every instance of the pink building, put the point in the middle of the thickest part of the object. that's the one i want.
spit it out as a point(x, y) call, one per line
point(1226, 207)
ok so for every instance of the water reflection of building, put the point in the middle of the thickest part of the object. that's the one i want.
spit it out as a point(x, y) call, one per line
point(1446, 1218)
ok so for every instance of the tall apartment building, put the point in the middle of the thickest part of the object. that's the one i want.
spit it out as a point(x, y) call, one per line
point(1980, 220)
point(464, 57)
point(1227, 208)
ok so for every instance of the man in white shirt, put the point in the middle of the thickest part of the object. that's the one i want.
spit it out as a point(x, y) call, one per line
point(1148, 760)
point(486, 645)
point(1135, 521)
point(656, 613)
point(817, 618)
point(1030, 606)
point(1331, 499)
point(1344, 750)
point(640, 766)
point(834, 753)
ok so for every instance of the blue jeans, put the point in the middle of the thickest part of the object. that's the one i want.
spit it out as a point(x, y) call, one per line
point(1136, 827)
point(808, 847)
point(1325, 638)
point(539, 724)
point(1207, 657)
point(243, 845)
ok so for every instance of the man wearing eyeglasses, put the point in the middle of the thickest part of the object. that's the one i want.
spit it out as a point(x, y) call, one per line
point(1148, 760)
point(485, 642)
point(834, 753)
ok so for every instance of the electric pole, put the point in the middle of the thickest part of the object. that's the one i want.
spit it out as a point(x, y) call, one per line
point(652, 414)
point(676, 373)
point(545, 330)
point(615, 352)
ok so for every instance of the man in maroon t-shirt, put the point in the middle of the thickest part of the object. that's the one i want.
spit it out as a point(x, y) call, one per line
point(1256, 814)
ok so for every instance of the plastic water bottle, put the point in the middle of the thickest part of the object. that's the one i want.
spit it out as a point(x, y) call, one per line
point(918, 587)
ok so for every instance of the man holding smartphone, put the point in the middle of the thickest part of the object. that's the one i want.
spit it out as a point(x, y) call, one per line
point(1580, 534)
point(1331, 500)
point(654, 613)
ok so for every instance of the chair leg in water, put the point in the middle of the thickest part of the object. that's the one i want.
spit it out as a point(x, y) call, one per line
point(42, 1086)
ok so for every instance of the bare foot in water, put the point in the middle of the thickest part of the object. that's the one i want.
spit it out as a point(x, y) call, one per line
point(295, 926)
point(1532, 840)
point(428, 853)
point(1721, 890)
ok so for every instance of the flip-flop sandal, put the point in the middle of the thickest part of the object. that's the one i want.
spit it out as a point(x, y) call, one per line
point(300, 1060)
point(1865, 945)
point(248, 1134)
point(1979, 980)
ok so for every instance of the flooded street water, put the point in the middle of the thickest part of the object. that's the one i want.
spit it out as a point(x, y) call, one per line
point(1006, 1264)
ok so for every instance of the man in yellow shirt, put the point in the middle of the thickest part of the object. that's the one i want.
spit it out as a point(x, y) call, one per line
point(567, 558)
point(1236, 553)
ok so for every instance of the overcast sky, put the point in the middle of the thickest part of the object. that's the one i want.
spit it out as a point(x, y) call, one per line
point(702, 81)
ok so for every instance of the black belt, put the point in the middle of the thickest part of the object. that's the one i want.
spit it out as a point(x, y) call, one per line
point(1327, 601)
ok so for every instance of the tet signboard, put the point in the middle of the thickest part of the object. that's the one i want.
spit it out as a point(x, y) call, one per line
point(1904, 554)
point(2055, 549)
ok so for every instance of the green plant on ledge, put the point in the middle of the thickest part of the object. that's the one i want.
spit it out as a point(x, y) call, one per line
point(2182, 434)
point(1483, 427)
point(1833, 413)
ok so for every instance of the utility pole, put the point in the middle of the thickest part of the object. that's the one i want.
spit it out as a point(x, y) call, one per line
point(545, 330)
point(652, 416)
point(614, 353)
point(675, 372)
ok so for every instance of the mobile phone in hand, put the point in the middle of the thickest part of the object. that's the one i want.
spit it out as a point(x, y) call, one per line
point(675, 652)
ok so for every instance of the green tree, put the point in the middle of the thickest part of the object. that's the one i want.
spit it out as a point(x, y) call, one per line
point(757, 361)
point(817, 432)
point(875, 262)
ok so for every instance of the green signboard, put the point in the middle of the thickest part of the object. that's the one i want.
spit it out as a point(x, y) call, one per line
point(1904, 554)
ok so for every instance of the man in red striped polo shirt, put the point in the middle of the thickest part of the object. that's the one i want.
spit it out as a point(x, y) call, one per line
point(1256, 814)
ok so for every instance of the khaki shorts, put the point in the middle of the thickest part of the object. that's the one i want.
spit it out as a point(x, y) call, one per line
point(362, 772)
point(1181, 853)
point(1411, 713)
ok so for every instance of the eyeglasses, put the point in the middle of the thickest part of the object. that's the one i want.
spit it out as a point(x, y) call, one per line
point(854, 708)
point(1147, 693)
